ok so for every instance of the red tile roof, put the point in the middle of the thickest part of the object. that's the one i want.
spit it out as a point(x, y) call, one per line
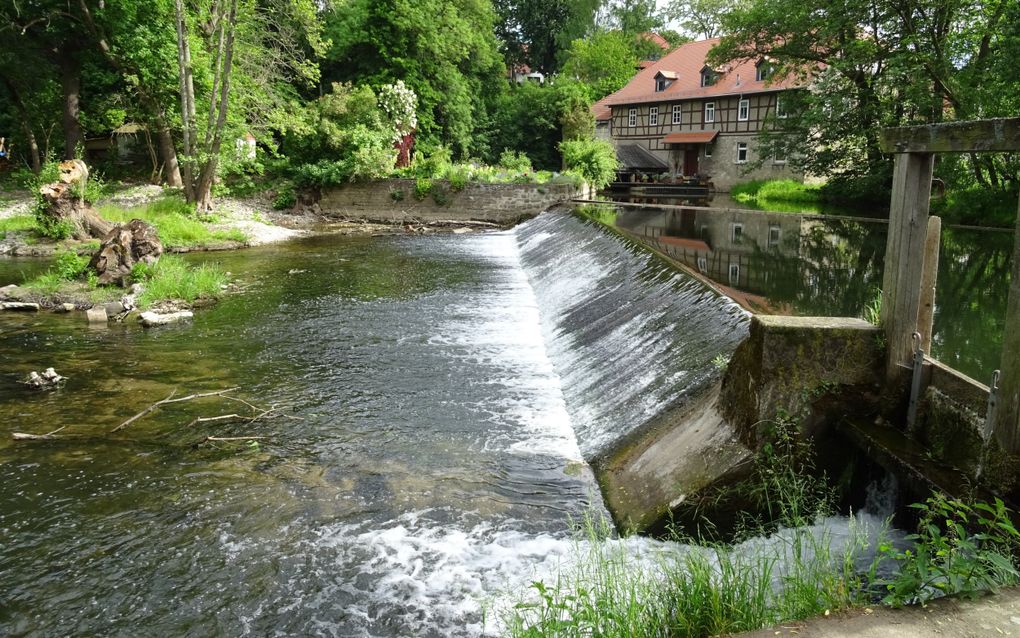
point(687, 61)
point(697, 137)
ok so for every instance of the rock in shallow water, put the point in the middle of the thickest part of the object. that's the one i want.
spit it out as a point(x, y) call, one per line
point(19, 306)
point(149, 319)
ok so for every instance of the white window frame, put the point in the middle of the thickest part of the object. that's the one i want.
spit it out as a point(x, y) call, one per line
point(743, 110)
point(741, 146)
point(653, 116)
point(736, 233)
point(734, 273)
point(702, 264)
point(632, 118)
point(678, 114)
point(709, 112)
point(775, 234)
point(780, 111)
point(778, 159)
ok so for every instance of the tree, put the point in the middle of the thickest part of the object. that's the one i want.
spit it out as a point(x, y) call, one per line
point(538, 32)
point(445, 51)
point(605, 62)
point(700, 18)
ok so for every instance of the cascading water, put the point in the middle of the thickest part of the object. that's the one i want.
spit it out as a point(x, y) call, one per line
point(431, 467)
point(629, 336)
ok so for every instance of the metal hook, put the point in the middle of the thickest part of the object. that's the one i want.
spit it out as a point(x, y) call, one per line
point(995, 380)
point(915, 340)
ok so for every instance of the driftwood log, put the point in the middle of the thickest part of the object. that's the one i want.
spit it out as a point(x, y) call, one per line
point(124, 246)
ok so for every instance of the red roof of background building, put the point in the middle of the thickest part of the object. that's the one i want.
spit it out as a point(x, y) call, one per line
point(687, 61)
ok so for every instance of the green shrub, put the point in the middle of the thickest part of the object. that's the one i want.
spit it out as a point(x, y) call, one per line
point(69, 265)
point(959, 549)
point(422, 188)
point(515, 161)
point(432, 163)
point(776, 190)
point(53, 228)
point(594, 160)
point(397, 194)
point(977, 206)
point(458, 176)
point(285, 197)
point(440, 195)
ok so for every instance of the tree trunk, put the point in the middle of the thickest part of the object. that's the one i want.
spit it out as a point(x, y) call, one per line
point(64, 206)
point(168, 154)
point(26, 125)
point(70, 84)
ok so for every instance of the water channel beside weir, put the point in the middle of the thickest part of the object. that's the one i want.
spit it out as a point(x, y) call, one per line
point(450, 389)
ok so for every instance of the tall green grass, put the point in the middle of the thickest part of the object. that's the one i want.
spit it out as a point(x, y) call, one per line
point(176, 223)
point(17, 223)
point(173, 278)
point(787, 191)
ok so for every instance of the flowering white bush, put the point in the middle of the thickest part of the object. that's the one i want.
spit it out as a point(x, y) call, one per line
point(400, 103)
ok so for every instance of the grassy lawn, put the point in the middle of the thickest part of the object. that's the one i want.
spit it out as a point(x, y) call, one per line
point(16, 223)
point(764, 192)
point(176, 223)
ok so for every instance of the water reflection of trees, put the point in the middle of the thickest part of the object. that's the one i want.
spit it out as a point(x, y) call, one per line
point(973, 286)
point(832, 268)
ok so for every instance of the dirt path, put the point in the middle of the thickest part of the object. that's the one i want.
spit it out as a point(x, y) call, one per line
point(995, 615)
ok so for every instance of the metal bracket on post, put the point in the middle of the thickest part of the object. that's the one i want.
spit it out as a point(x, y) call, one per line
point(993, 407)
point(915, 384)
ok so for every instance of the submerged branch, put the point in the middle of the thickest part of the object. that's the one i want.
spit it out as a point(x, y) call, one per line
point(169, 399)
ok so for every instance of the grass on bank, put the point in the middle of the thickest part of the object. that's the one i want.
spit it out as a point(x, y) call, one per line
point(786, 191)
point(175, 221)
point(170, 279)
point(16, 223)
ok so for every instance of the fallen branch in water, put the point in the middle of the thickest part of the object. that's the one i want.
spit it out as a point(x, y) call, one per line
point(169, 399)
point(234, 438)
point(224, 417)
point(21, 436)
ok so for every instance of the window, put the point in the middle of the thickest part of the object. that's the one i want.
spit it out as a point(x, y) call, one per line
point(734, 274)
point(708, 78)
point(677, 114)
point(762, 71)
point(661, 84)
point(780, 108)
point(653, 116)
point(774, 234)
point(632, 117)
point(741, 152)
point(779, 157)
point(743, 110)
point(702, 264)
point(708, 150)
point(736, 232)
point(709, 111)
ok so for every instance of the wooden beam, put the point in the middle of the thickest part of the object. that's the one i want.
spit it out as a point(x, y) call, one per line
point(1007, 422)
point(929, 278)
point(1000, 135)
point(904, 257)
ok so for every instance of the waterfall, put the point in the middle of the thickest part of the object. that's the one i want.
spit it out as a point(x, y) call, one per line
point(629, 335)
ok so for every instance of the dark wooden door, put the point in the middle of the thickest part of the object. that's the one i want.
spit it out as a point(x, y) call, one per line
point(691, 162)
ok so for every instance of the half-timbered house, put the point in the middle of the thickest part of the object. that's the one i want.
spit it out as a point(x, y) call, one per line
point(681, 117)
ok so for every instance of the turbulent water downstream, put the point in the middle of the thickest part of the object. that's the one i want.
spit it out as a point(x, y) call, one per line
point(443, 394)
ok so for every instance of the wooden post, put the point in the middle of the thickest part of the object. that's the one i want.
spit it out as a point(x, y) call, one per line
point(929, 279)
point(904, 256)
point(1007, 422)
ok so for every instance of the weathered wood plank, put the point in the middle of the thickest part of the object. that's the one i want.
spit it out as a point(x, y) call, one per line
point(954, 137)
point(908, 230)
point(929, 278)
point(1007, 423)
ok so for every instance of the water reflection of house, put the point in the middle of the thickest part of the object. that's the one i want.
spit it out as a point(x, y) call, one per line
point(730, 247)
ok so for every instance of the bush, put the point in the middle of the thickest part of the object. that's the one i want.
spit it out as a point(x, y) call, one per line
point(458, 176)
point(397, 194)
point(977, 206)
point(422, 188)
point(594, 160)
point(440, 195)
point(285, 197)
point(514, 161)
point(776, 190)
point(432, 164)
point(69, 265)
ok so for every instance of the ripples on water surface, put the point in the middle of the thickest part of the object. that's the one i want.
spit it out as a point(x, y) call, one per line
point(434, 466)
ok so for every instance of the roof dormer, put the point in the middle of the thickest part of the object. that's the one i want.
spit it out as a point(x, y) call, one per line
point(763, 70)
point(709, 76)
point(663, 80)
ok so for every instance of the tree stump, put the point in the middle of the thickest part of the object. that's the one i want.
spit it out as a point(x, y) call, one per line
point(65, 205)
point(124, 246)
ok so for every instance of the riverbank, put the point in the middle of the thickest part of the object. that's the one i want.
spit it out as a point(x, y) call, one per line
point(992, 615)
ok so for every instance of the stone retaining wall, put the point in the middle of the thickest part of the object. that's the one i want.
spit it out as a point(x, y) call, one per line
point(393, 200)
